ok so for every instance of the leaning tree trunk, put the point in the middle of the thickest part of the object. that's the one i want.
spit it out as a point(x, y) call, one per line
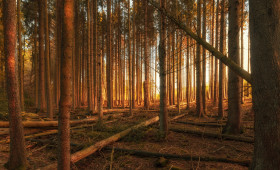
point(17, 157)
point(234, 103)
point(65, 103)
point(265, 50)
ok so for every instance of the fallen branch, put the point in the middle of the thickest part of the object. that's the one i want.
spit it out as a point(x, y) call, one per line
point(51, 132)
point(101, 144)
point(218, 125)
point(184, 157)
point(44, 124)
point(214, 135)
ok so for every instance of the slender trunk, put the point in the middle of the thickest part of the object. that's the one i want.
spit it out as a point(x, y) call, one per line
point(147, 61)
point(203, 90)
point(17, 157)
point(58, 50)
point(221, 66)
point(89, 77)
point(162, 61)
point(36, 65)
point(47, 63)
point(129, 61)
point(216, 79)
point(41, 58)
point(109, 57)
point(65, 103)
point(20, 57)
point(242, 48)
point(77, 54)
point(133, 56)
point(199, 111)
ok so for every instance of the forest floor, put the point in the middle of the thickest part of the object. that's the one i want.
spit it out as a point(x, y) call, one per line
point(42, 151)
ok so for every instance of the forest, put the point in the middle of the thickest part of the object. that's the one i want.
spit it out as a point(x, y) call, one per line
point(139, 84)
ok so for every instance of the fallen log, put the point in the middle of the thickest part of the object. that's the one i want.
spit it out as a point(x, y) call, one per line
point(50, 132)
point(218, 125)
point(44, 124)
point(183, 157)
point(101, 144)
point(214, 135)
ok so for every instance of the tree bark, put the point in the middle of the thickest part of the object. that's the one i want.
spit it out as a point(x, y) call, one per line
point(265, 40)
point(109, 57)
point(20, 57)
point(65, 103)
point(162, 62)
point(221, 65)
point(203, 90)
point(147, 61)
point(41, 58)
point(17, 157)
point(47, 63)
point(199, 111)
point(234, 104)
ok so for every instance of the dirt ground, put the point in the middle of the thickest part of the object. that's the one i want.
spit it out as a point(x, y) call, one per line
point(42, 151)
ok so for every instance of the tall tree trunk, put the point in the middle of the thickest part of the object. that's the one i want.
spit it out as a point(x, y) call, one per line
point(109, 57)
point(242, 48)
point(17, 157)
point(20, 57)
point(36, 65)
point(216, 81)
point(133, 55)
point(234, 103)
point(162, 62)
point(65, 103)
point(147, 61)
point(199, 111)
point(47, 63)
point(221, 66)
point(212, 57)
point(188, 80)
point(265, 60)
point(203, 90)
point(41, 58)
point(77, 55)
point(89, 77)
point(58, 50)
point(129, 61)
